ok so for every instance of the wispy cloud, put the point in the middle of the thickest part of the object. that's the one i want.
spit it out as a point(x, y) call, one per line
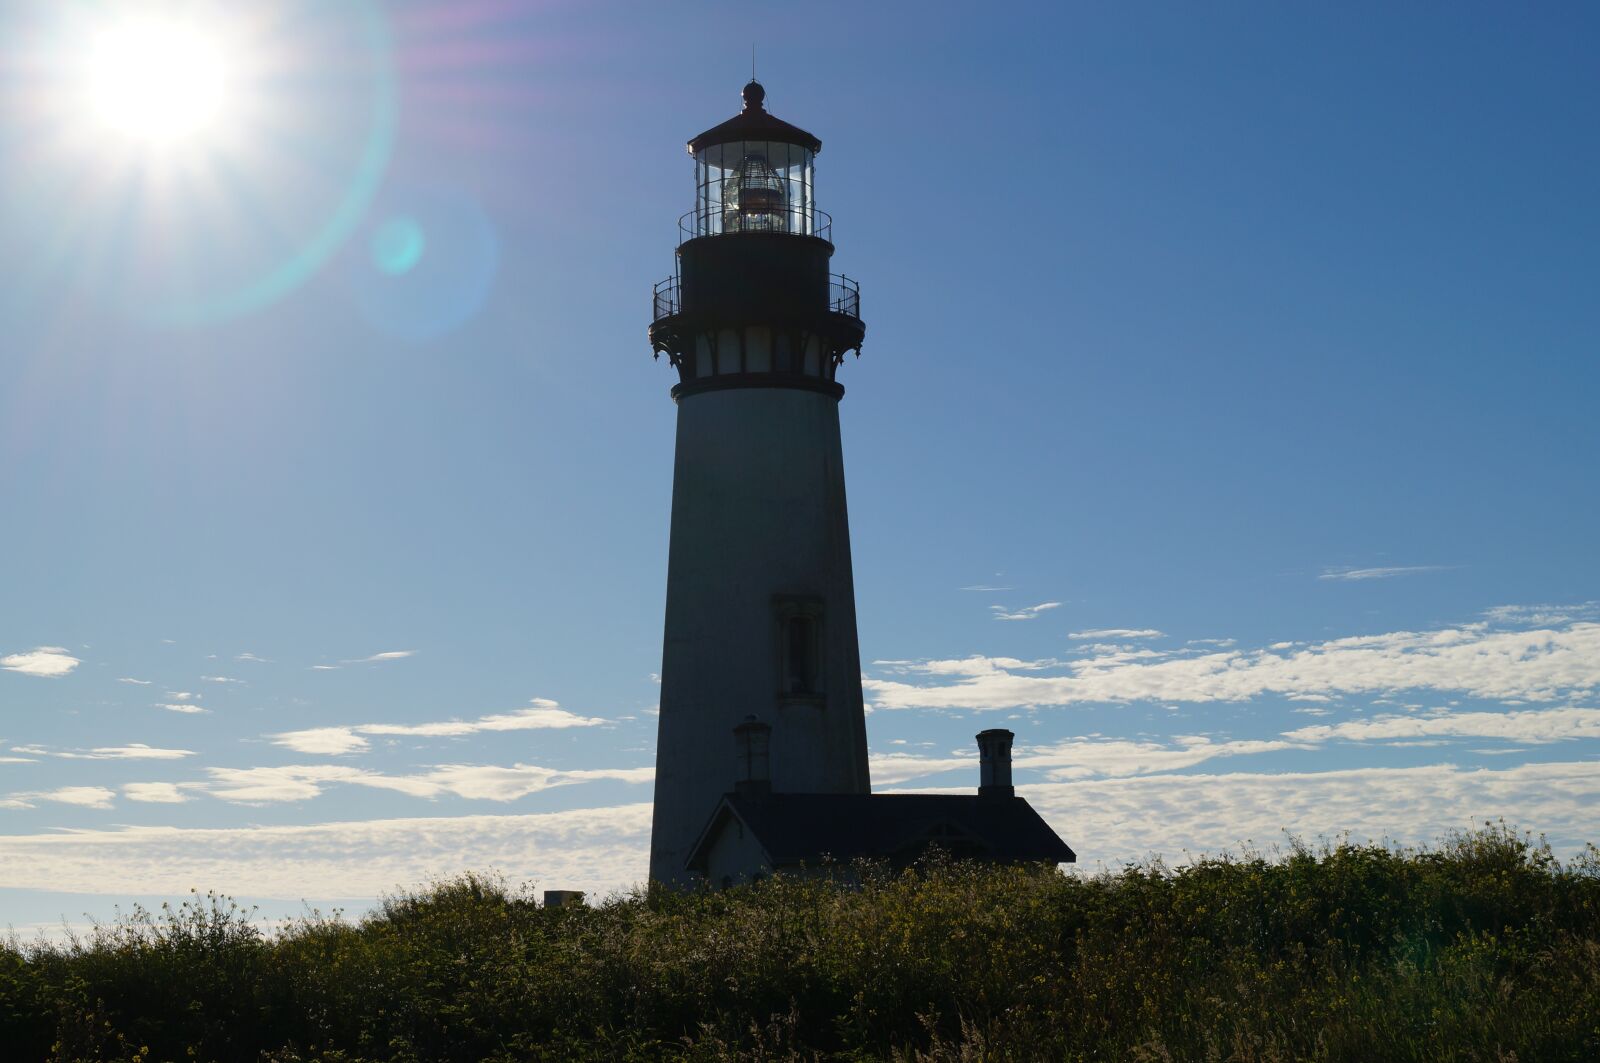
point(1352, 574)
point(376, 658)
point(183, 701)
point(327, 741)
point(158, 793)
point(987, 587)
point(544, 714)
point(1477, 660)
point(1531, 726)
point(887, 769)
point(1546, 615)
point(485, 782)
point(137, 682)
point(1112, 633)
point(253, 658)
point(134, 751)
point(270, 785)
point(1083, 758)
point(480, 782)
point(219, 679)
point(280, 784)
point(387, 655)
point(82, 796)
point(1087, 757)
point(45, 662)
point(966, 666)
point(1027, 612)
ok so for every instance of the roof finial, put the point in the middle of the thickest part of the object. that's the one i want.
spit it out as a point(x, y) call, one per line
point(753, 95)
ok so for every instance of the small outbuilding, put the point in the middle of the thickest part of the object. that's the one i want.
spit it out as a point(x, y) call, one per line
point(754, 832)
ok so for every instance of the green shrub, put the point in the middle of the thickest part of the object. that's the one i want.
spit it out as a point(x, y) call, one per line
point(1485, 947)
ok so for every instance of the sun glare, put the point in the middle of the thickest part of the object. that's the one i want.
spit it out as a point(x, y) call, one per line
point(157, 80)
point(193, 161)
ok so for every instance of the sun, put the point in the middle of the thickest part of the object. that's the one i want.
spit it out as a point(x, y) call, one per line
point(157, 79)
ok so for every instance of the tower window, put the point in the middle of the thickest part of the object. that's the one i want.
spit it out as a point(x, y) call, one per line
point(799, 647)
point(801, 678)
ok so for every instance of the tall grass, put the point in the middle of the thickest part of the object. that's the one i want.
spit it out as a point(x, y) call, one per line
point(1484, 947)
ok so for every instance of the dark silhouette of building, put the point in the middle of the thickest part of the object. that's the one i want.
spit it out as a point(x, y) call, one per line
point(755, 830)
point(760, 619)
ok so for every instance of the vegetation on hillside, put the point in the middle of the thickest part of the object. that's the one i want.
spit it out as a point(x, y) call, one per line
point(1485, 947)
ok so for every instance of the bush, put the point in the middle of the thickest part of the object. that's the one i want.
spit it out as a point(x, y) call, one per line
point(1485, 947)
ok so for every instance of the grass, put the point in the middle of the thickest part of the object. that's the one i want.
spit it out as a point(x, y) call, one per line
point(1483, 947)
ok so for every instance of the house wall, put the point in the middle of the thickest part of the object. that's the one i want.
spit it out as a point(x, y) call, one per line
point(734, 856)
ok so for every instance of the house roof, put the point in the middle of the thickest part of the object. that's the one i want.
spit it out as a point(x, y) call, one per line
point(804, 828)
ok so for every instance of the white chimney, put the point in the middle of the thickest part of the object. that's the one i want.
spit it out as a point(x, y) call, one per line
point(994, 763)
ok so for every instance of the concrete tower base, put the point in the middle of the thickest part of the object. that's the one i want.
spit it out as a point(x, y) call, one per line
point(761, 616)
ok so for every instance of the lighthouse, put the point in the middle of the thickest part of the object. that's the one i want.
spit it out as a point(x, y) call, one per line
point(761, 755)
point(760, 616)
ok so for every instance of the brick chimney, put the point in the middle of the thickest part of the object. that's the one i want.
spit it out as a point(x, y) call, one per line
point(994, 763)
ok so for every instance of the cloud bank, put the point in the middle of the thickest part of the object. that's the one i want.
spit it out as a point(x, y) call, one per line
point(1111, 821)
point(1090, 756)
point(1475, 660)
point(1108, 821)
point(596, 850)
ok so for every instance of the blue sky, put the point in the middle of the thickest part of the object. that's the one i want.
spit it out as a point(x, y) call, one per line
point(1224, 426)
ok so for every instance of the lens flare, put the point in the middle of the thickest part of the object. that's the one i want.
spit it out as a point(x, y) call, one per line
point(158, 80)
point(397, 246)
point(431, 263)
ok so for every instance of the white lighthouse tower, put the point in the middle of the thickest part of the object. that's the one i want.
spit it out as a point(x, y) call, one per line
point(760, 618)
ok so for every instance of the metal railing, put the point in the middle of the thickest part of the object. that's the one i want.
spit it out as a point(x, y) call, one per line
point(792, 221)
point(666, 298)
point(844, 297)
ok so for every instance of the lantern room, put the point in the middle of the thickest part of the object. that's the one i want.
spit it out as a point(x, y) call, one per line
point(754, 173)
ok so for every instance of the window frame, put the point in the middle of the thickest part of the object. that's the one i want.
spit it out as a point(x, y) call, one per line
point(787, 608)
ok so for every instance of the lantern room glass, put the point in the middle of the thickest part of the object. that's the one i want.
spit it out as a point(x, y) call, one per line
point(754, 186)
